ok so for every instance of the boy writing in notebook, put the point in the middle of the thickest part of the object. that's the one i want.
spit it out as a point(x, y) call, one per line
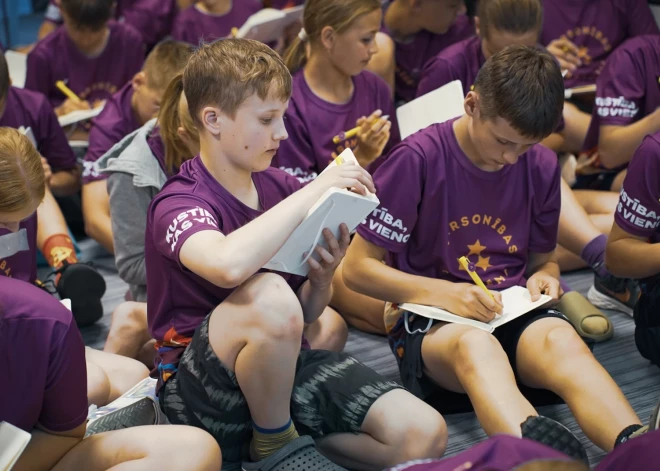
point(93, 55)
point(128, 109)
point(480, 187)
point(229, 333)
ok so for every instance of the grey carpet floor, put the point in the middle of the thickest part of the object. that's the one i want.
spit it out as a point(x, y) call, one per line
point(639, 380)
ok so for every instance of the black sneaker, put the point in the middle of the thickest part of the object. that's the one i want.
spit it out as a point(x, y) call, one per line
point(84, 286)
point(553, 434)
point(654, 424)
point(611, 292)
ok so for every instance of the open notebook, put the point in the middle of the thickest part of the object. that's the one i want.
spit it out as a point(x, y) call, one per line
point(334, 207)
point(17, 65)
point(79, 115)
point(13, 441)
point(29, 134)
point(268, 25)
point(435, 107)
point(516, 300)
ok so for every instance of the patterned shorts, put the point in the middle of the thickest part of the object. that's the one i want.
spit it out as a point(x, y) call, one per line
point(332, 393)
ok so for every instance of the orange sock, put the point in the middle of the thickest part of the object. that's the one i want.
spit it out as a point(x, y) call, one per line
point(58, 249)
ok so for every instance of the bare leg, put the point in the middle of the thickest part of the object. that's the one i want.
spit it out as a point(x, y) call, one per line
point(576, 127)
point(398, 428)
point(329, 332)
point(568, 261)
point(362, 312)
point(617, 184)
point(575, 227)
point(128, 331)
point(552, 356)
point(122, 373)
point(171, 447)
point(96, 212)
point(597, 202)
point(465, 359)
point(50, 220)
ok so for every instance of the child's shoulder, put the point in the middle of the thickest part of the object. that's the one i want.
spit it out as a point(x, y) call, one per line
point(124, 33)
point(25, 302)
point(29, 100)
point(371, 80)
point(46, 46)
point(638, 47)
point(274, 179)
point(647, 156)
point(540, 161)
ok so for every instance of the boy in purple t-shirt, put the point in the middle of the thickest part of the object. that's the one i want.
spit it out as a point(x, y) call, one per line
point(128, 109)
point(93, 55)
point(633, 248)
point(582, 34)
point(419, 30)
point(151, 18)
point(39, 336)
point(480, 187)
point(226, 329)
point(332, 92)
point(627, 109)
point(208, 20)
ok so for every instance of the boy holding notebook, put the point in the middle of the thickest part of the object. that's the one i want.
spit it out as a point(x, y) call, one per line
point(94, 56)
point(229, 333)
point(128, 109)
point(480, 187)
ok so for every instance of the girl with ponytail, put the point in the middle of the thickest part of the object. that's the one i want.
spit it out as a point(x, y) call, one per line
point(332, 91)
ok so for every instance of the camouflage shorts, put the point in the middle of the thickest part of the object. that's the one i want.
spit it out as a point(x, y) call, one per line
point(332, 393)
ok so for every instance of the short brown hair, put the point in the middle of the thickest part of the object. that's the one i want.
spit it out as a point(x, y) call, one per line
point(513, 16)
point(22, 179)
point(166, 60)
point(88, 14)
point(338, 14)
point(171, 116)
point(227, 72)
point(524, 86)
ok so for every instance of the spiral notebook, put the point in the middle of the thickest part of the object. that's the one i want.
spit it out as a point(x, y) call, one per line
point(13, 441)
point(517, 302)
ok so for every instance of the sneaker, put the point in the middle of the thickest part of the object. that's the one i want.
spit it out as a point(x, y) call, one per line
point(298, 455)
point(553, 434)
point(84, 286)
point(143, 412)
point(654, 424)
point(611, 292)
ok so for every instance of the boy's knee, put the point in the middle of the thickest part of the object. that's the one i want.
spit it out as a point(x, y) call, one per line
point(202, 450)
point(473, 346)
point(562, 341)
point(424, 437)
point(130, 316)
point(276, 307)
point(98, 385)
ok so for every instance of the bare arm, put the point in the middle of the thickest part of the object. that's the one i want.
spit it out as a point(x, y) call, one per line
point(617, 144)
point(47, 448)
point(365, 273)
point(630, 256)
point(228, 261)
point(543, 275)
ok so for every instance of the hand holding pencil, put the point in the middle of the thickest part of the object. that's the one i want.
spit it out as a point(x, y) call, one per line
point(372, 134)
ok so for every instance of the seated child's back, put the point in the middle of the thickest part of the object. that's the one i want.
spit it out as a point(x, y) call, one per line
point(208, 20)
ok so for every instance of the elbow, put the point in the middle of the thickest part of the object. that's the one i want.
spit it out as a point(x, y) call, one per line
point(613, 263)
point(230, 277)
point(351, 276)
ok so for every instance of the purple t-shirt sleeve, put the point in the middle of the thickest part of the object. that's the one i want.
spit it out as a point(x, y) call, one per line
point(620, 91)
point(399, 182)
point(545, 218)
point(53, 144)
point(638, 211)
point(437, 72)
point(38, 75)
point(640, 19)
point(64, 404)
point(178, 217)
point(296, 154)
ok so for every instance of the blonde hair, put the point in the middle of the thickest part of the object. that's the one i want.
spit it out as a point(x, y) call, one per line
point(166, 60)
point(227, 72)
point(22, 179)
point(172, 115)
point(338, 14)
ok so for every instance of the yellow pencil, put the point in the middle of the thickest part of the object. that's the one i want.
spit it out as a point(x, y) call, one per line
point(351, 133)
point(234, 32)
point(67, 91)
point(473, 274)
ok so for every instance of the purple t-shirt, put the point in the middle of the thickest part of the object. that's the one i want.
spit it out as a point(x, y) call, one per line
point(31, 110)
point(596, 27)
point(412, 55)
point(437, 206)
point(312, 123)
point(116, 121)
point(190, 202)
point(638, 211)
point(56, 58)
point(281, 4)
point(460, 61)
point(22, 265)
point(627, 89)
point(44, 380)
point(193, 25)
point(151, 18)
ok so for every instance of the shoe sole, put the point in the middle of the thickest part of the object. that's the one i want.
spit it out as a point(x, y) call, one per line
point(142, 412)
point(654, 423)
point(603, 301)
point(554, 435)
point(85, 284)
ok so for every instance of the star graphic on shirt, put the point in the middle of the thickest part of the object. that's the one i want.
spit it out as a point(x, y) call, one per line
point(476, 248)
point(583, 54)
point(483, 263)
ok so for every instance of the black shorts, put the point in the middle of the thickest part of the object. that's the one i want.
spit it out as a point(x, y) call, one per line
point(332, 393)
point(647, 319)
point(598, 181)
point(407, 348)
